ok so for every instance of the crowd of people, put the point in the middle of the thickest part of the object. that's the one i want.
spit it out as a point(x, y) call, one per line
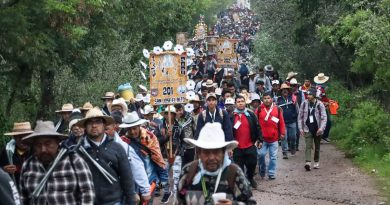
point(128, 151)
point(123, 152)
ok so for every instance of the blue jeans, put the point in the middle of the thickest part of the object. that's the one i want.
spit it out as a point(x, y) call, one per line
point(290, 138)
point(272, 148)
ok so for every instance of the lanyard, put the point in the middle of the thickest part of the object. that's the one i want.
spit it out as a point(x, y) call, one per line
point(311, 108)
point(268, 112)
point(212, 115)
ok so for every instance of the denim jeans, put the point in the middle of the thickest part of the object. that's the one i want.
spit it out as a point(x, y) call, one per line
point(163, 175)
point(290, 138)
point(272, 148)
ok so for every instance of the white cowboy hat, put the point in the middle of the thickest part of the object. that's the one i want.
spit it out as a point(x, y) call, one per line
point(66, 108)
point(321, 78)
point(147, 110)
point(44, 129)
point(275, 82)
point(268, 68)
point(119, 102)
point(139, 97)
point(196, 99)
point(209, 83)
point(142, 87)
point(218, 91)
point(131, 119)
point(293, 81)
point(20, 128)
point(171, 108)
point(255, 96)
point(211, 136)
point(95, 113)
point(291, 75)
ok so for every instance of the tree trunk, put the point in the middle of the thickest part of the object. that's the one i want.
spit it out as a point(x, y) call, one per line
point(47, 95)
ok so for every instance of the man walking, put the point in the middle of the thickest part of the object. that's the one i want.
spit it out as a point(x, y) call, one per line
point(247, 133)
point(111, 156)
point(272, 126)
point(311, 125)
point(69, 183)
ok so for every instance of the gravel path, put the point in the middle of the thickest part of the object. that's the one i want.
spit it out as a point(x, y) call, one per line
point(336, 182)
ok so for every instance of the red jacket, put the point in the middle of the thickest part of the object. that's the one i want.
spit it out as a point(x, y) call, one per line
point(270, 129)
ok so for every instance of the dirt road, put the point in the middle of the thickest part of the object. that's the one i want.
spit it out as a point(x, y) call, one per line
point(336, 182)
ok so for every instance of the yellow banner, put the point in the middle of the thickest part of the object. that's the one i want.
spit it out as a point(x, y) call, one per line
point(168, 77)
point(226, 53)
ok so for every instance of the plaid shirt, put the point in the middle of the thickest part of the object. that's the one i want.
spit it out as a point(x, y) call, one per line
point(70, 182)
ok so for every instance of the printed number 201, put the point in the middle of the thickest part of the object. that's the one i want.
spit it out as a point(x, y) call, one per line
point(167, 90)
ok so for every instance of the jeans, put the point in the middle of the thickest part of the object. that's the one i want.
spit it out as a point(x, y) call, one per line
point(163, 175)
point(272, 148)
point(290, 138)
point(309, 138)
point(244, 158)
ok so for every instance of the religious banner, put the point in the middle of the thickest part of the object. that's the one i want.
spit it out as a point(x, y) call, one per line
point(168, 78)
point(227, 53)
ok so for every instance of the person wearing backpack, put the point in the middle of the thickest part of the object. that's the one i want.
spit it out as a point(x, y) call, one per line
point(214, 114)
point(272, 126)
point(247, 133)
point(214, 174)
point(311, 125)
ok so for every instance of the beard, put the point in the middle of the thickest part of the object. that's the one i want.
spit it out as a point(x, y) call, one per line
point(46, 158)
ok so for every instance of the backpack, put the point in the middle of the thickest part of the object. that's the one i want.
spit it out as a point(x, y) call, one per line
point(231, 178)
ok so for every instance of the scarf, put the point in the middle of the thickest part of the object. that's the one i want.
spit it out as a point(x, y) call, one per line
point(244, 111)
point(202, 171)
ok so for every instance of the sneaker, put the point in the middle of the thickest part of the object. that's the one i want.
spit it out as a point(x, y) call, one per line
point(157, 191)
point(297, 149)
point(253, 183)
point(293, 153)
point(285, 156)
point(166, 197)
point(307, 166)
point(326, 139)
point(272, 177)
point(316, 165)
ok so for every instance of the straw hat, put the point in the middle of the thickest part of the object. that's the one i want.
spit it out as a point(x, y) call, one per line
point(20, 128)
point(119, 102)
point(95, 113)
point(66, 108)
point(251, 73)
point(147, 110)
point(131, 119)
point(321, 78)
point(291, 75)
point(284, 86)
point(108, 95)
point(44, 129)
point(87, 106)
point(211, 136)
point(209, 83)
point(218, 91)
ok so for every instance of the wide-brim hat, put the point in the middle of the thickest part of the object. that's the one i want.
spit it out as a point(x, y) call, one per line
point(118, 102)
point(44, 129)
point(132, 119)
point(196, 99)
point(108, 95)
point(170, 108)
point(20, 128)
point(291, 75)
point(211, 136)
point(95, 113)
point(293, 81)
point(66, 108)
point(268, 68)
point(75, 117)
point(87, 106)
point(284, 86)
point(321, 78)
point(139, 97)
point(251, 73)
point(148, 109)
point(209, 84)
point(142, 87)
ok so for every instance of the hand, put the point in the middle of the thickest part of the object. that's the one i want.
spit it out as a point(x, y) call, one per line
point(224, 202)
point(169, 132)
point(259, 145)
point(281, 137)
point(302, 134)
point(153, 124)
point(319, 132)
point(146, 198)
point(11, 169)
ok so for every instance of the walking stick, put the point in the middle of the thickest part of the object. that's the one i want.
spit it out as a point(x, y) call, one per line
point(170, 147)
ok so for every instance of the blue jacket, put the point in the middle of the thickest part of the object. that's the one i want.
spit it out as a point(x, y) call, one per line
point(224, 120)
point(290, 111)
